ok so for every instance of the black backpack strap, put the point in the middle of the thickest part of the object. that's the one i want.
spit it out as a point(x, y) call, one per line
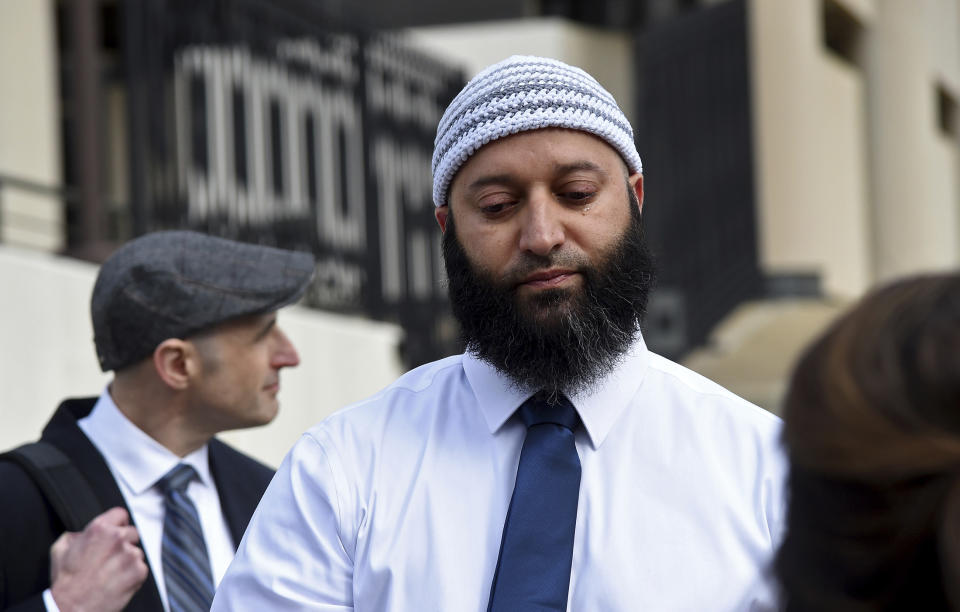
point(60, 481)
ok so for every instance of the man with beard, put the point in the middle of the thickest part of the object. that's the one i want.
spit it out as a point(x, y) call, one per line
point(557, 464)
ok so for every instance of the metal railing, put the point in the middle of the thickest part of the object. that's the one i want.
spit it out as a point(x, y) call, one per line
point(26, 221)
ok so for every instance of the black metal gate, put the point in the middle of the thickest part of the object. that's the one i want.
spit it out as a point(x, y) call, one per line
point(694, 132)
point(267, 121)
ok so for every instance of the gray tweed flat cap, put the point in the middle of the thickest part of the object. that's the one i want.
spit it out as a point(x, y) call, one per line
point(174, 284)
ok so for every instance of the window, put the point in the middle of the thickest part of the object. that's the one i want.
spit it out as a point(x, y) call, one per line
point(842, 32)
point(946, 112)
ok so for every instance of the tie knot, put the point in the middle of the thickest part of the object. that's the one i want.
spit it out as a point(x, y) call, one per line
point(537, 411)
point(177, 479)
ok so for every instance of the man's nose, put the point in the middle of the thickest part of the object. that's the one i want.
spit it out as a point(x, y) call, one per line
point(285, 355)
point(543, 229)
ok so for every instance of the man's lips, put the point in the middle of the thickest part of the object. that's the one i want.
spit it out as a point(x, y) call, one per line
point(545, 279)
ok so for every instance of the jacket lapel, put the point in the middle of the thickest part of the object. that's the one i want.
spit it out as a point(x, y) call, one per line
point(232, 487)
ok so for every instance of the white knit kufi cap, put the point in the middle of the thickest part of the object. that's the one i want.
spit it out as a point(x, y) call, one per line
point(522, 93)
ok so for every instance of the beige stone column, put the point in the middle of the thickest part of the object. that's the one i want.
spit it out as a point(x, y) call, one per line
point(810, 148)
point(914, 166)
point(29, 124)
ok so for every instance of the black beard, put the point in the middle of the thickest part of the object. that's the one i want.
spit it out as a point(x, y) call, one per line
point(562, 341)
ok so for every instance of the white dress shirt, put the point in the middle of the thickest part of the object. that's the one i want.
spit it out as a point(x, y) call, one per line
point(398, 502)
point(137, 462)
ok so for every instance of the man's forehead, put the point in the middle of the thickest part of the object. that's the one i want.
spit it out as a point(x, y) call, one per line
point(553, 151)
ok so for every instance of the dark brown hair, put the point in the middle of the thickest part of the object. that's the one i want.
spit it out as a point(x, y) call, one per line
point(872, 429)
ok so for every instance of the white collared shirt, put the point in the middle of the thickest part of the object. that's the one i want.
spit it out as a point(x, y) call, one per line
point(137, 462)
point(398, 502)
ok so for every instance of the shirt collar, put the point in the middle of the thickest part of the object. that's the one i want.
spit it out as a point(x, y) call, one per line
point(135, 457)
point(599, 408)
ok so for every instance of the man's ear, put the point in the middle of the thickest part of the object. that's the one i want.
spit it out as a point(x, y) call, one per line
point(636, 182)
point(175, 361)
point(441, 213)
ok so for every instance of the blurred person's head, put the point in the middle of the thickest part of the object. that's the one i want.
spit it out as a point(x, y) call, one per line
point(872, 429)
point(539, 189)
point(188, 324)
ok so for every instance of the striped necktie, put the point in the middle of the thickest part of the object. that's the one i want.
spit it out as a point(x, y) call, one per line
point(536, 549)
point(186, 566)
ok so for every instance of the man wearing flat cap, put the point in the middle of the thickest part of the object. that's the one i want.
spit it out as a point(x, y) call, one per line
point(558, 464)
point(188, 325)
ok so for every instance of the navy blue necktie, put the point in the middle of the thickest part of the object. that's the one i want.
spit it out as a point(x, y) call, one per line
point(536, 549)
point(186, 566)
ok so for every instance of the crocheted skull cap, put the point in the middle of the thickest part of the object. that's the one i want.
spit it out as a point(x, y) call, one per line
point(521, 93)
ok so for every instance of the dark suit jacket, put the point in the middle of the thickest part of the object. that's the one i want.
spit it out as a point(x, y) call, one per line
point(29, 526)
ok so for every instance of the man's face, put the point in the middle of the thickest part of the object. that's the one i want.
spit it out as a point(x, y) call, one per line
point(548, 270)
point(239, 372)
point(533, 209)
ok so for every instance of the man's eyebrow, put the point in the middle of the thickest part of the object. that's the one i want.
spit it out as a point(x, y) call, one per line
point(266, 328)
point(507, 179)
point(492, 179)
point(586, 165)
